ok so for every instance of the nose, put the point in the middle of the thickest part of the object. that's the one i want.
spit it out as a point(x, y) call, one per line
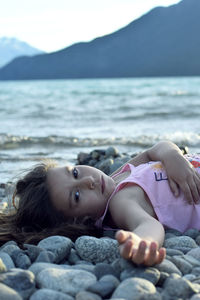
point(89, 182)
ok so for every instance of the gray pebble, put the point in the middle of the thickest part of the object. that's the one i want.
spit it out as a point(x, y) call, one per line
point(193, 261)
point(176, 287)
point(151, 274)
point(195, 253)
point(2, 266)
point(196, 271)
point(66, 281)
point(73, 257)
point(7, 293)
point(197, 240)
point(168, 267)
point(172, 252)
point(59, 245)
point(111, 152)
point(102, 269)
point(7, 260)
point(102, 288)
point(111, 278)
point(97, 250)
point(195, 297)
point(9, 249)
point(32, 251)
point(180, 241)
point(134, 289)
point(20, 280)
point(47, 294)
point(193, 233)
point(36, 268)
point(189, 277)
point(46, 256)
point(184, 266)
point(173, 231)
point(85, 295)
point(20, 259)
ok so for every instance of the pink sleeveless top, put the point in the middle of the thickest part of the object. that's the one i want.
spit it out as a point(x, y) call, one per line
point(172, 212)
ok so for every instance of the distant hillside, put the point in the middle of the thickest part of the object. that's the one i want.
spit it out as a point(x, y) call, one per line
point(11, 48)
point(164, 42)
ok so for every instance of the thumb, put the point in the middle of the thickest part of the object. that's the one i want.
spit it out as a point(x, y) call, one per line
point(174, 187)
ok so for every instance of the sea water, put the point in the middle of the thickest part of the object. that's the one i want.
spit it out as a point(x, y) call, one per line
point(59, 118)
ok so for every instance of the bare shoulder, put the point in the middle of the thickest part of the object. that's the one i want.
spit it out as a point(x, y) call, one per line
point(129, 207)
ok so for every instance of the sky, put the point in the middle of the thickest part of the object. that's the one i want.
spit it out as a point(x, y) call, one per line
point(51, 25)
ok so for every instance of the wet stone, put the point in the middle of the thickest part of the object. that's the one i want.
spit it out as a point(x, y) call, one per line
point(184, 266)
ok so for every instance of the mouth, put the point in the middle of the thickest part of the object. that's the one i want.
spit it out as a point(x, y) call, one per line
point(102, 185)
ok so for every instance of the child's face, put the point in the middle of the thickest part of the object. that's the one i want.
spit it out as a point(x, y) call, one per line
point(80, 190)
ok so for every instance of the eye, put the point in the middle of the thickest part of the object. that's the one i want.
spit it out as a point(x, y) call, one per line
point(77, 197)
point(75, 173)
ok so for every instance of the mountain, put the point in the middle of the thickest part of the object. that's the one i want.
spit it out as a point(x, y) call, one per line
point(163, 42)
point(11, 48)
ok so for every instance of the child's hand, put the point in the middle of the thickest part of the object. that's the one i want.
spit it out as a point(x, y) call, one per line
point(182, 175)
point(137, 250)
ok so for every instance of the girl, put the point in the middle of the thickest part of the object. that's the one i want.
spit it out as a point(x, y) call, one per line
point(140, 198)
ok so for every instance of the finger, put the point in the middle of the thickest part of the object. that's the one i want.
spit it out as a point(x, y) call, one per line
point(161, 256)
point(187, 192)
point(121, 236)
point(194, 191)
point(126, 249)
point(174, 187)
point(153, 254)
point(138, 255)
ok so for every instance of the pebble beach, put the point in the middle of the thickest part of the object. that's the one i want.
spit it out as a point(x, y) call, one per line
point(91, 268)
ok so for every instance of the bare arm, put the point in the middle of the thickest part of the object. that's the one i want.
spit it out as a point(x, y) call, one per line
point(180, 172)
point(143, 237)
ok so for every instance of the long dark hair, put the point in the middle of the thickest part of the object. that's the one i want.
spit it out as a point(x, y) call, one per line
point(34, 217)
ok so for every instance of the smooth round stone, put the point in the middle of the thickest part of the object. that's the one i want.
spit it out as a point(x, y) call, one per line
point(85, 295)
point(184, 266)
point(73, 257)
point(193, 233)
point(88, 268)
point(180, 241)
point(189, 277)
point(195, 253)
point(66, 281)
point(172, 252)
point(45, 294)
point(173, 231)
point(20, 259)
point(7, 260)
point(176, 287)
point(97, 250)
point(193, 261)
point(197, 240)
point(168, 267)
point(20, 280)
point(8, 243)
point(196, 271)
point(104, 289)
point(32, 251)
point(134, 289)
point(36, 268)
point(195, 297)
point(9, 249)
point(110, 278)
point(102, 269)
point(59, 245)
point(46, 256)
point(2, 266)
point(111, 152)
point(105, 165)
point(163, 277)
point(6, 293)
point(150, 274)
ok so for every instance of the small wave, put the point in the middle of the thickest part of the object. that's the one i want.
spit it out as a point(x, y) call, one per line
point(9, 142)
